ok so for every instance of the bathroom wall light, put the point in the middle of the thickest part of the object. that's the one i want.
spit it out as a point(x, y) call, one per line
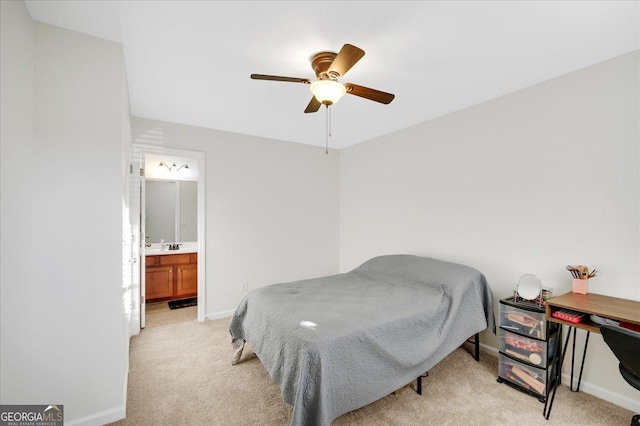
point(173, 167)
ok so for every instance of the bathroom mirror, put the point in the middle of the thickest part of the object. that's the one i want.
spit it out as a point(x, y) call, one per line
point(171, 211)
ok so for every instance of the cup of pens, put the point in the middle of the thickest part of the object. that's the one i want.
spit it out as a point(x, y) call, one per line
point(580, 278)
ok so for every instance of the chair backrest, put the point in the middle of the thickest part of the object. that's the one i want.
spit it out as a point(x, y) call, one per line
point(625, 345)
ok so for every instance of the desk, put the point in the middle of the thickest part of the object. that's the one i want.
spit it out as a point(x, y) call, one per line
point(623, 310)
point(597, 304)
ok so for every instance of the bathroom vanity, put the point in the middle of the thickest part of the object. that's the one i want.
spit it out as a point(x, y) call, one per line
point(170, 276)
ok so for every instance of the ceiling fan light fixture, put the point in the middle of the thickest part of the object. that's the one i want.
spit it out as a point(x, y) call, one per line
point(328, 92)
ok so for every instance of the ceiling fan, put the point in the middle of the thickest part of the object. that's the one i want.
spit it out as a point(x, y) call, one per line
point(329, 67)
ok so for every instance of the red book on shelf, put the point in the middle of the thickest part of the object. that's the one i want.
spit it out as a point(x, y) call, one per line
point(569, 315)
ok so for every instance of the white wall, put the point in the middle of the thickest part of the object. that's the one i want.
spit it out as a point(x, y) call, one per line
point(526, 183)
point(271, 208)
point(17, 346)
point(64, 336)
point(188, 211)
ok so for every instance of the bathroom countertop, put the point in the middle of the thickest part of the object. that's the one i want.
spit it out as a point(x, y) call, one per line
point(158, 252)
point(184, 248)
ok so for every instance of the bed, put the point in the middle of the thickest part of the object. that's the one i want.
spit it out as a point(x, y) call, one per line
point(337, 343)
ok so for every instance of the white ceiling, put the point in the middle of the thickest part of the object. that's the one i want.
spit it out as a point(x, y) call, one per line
point(189, 61)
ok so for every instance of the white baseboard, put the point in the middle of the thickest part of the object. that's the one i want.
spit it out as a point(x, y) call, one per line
point(597, 391)
point(219, 315)
point(602, 393)
point(101, 418)
point(489, 349)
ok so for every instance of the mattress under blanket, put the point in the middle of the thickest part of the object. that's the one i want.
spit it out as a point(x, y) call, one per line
point(337, 343)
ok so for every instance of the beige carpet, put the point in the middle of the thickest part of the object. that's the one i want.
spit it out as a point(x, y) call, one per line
point(159, 314)
point(181, 374)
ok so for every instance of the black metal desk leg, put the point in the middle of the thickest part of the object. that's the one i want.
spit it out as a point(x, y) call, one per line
point(573, 356)
point(559, 367)
point(584, 354)
point(547, 410)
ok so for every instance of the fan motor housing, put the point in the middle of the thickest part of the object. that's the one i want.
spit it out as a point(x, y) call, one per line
point(321, 62)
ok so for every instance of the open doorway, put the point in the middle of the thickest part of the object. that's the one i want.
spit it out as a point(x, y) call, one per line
point(170, 248)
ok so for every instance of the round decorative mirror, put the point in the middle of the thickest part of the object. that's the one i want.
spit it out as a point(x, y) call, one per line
point(529, 287)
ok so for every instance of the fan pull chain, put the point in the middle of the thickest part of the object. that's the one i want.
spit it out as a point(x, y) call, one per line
point(328, 129)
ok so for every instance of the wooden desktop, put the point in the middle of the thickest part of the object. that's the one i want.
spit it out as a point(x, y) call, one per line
point(614, 308)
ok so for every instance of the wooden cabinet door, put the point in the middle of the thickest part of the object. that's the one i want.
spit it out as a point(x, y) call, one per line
point(159, 282)
point(187, 280)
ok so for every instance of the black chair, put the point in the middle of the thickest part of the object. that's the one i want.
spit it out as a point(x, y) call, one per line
point(625, 345)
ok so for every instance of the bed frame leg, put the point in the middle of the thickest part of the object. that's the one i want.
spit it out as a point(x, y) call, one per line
point(476, 345)
point(419, 383)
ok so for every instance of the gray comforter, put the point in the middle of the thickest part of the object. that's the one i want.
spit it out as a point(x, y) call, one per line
point(338, 343)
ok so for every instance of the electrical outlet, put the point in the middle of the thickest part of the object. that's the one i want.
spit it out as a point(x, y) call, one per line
point(244, 286)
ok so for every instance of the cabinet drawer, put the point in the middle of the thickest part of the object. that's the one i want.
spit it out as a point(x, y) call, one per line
point(527, 377)
point(529, 350)
point(174, 259)
point(524, 322)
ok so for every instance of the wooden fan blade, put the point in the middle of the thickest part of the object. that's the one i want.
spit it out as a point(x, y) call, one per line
point(278, 78)
point(313, 106)
point(347, 57)
point(371, 94)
